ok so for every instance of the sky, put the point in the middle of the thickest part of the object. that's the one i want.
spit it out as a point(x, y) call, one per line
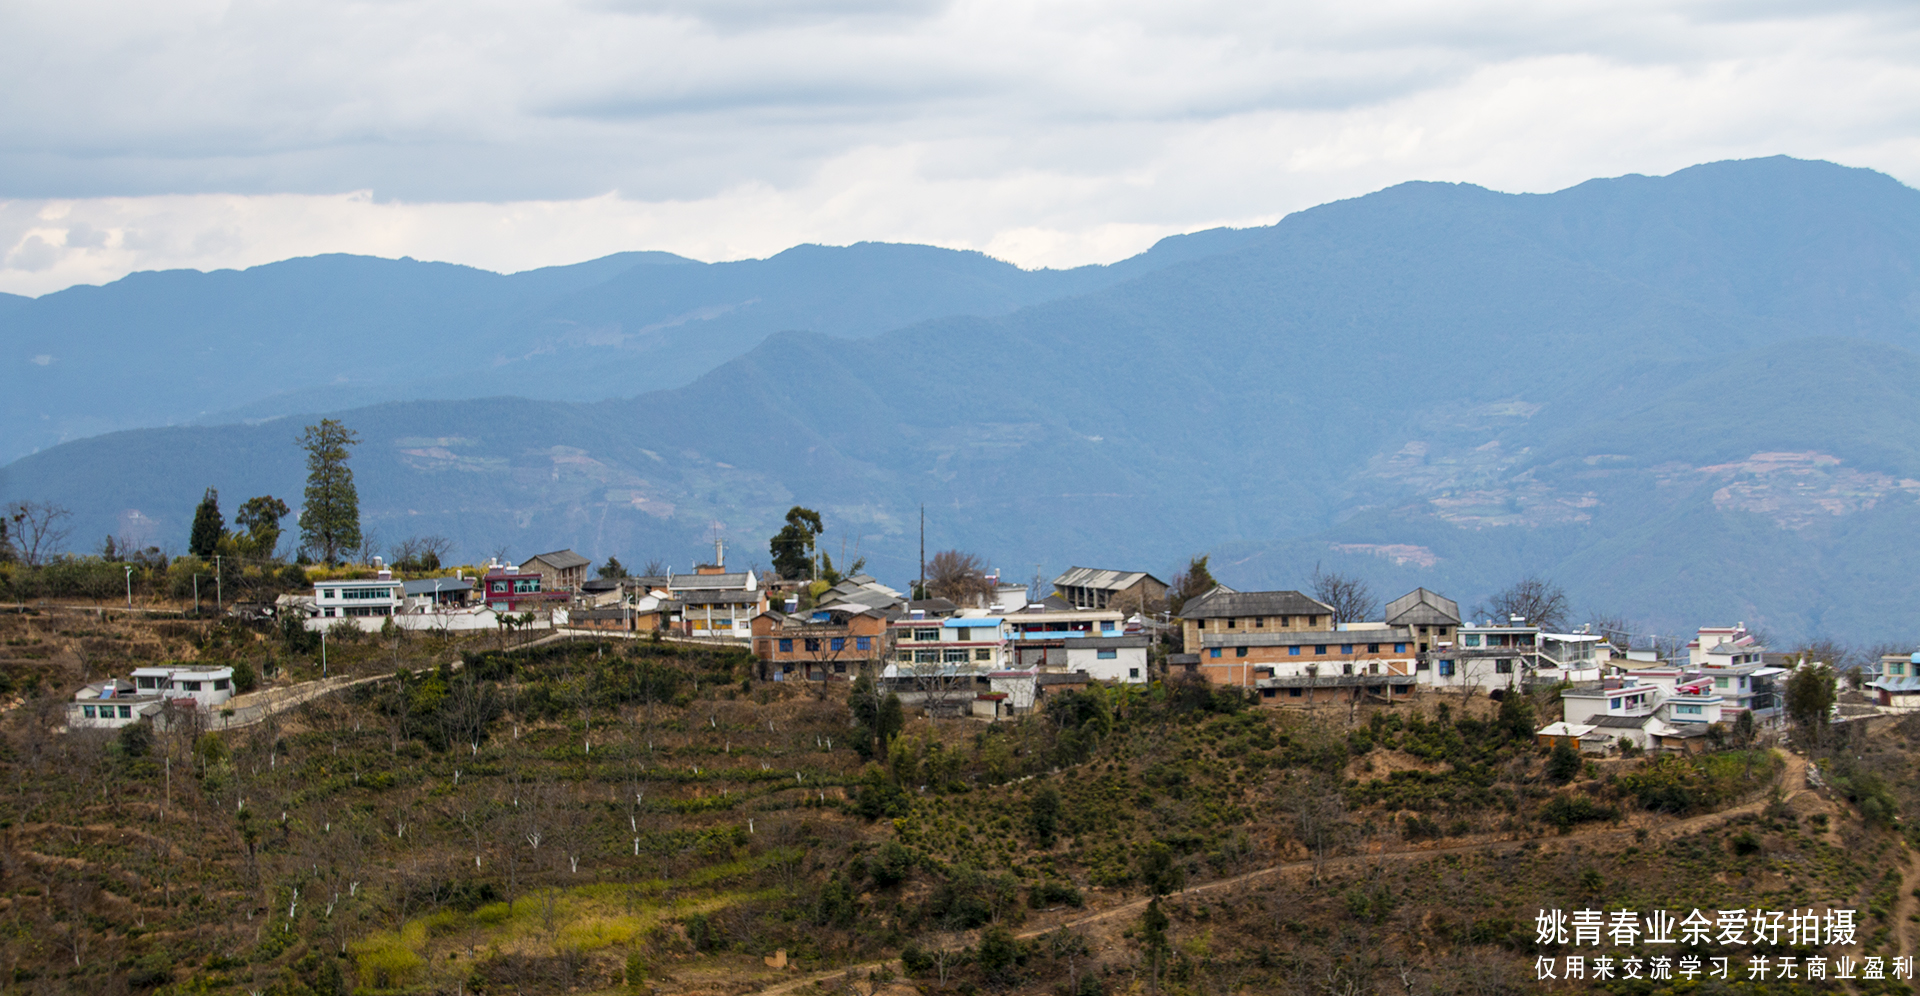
point(510, 135)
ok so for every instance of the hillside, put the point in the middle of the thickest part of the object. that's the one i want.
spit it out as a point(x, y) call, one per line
point(337, 331)
point(638, 817)
point(1684, 397)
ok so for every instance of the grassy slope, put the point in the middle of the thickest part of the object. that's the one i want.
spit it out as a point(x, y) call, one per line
point(1401, 844)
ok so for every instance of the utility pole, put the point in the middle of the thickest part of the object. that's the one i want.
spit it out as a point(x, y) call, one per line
point(129, 587)
point(196, 596)
point(219, 606)
point(922, 586)
point(323, 653)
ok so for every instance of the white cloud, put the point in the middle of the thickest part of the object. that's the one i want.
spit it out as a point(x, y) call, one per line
point(509, 135)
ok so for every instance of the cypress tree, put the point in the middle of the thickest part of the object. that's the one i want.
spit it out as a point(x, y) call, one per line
point(330, 520)
point(208, 526)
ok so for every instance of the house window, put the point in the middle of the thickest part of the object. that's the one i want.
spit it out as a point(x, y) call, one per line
point(220, 684)
point(1423, 631)
point(190, 686)
point(1719, 682)
point(1470, 640)
point(983, 654)
point(1613, 704)
point(1260, 622)
point(1346, 668)
point(863, 643)
point(1688, 710)
point(147, 682)
point(813, 645)
point(1440, 631)
point(1320, 648)
point(1106, 625)
point(786, 645)
point(1346, 648)
point(1239, 651)
point(1293, 693)
point(1293, 651)
point(328, 611)
point(926, 635)
point(838, 643)
point(126, 712)
point(1285, 621)
point(1215, 652)
point(1133, 672)
point(926, 657)
point(1106, 655)
point(88, 712)
point(1446, 669)
point(1230, 623)
point(1503, 666)
point(954, 656)
point(1373, 648)
point(1399, 648)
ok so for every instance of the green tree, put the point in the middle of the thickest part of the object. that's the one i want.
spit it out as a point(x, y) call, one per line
point(877, 716)
point(792, 546)
point(1153, 936)
point(260, 517)
point(330, 521)
point(1810, 694)
point(1189, 584)
point(208, 526)
point(613, 569)
point(1043, 816)
point(1563, 763)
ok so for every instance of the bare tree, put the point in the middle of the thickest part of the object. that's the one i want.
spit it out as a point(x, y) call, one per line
point(1319, 814)
point(36, 529)
point(1536, 600)
point(957, 577)
point(421, 553)
point(1615, 628)
point(1351, 598)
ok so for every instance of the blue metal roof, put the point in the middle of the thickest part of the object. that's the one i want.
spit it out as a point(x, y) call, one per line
point(954, 622)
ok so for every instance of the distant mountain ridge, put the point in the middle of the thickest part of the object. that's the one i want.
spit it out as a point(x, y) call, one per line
point(1688, 398)
point(327, 332)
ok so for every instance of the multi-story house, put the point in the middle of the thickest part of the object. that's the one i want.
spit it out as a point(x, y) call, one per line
point(510, 590)
point(1093, 588)
point(359, 599)
point(720, 613)
point(559, 570)
point(1897, 685)
point(815, 644)
point(960, 644)
point(1042, 631)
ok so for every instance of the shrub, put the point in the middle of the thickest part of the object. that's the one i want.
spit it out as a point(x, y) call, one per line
point(1563, 763)
point(915, 959)
point(1565, 811)
point(1051, 893)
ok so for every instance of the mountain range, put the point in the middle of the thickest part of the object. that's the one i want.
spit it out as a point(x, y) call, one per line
point(1688, 399)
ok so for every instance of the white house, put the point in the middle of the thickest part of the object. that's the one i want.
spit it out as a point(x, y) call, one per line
point(1109, 658)
point(111, 703)
point(208, 687)
point(380, 596)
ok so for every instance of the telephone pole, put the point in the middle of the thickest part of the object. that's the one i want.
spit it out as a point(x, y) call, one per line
point(922, 586)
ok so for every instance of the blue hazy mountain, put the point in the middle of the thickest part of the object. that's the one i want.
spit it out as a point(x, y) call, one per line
point(331, 332)
point(1687, 398)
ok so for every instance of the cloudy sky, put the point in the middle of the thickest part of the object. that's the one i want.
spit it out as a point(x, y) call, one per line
point(201, 133)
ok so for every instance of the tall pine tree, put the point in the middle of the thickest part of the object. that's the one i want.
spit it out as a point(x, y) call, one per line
point(330, 520)
point(208, 526)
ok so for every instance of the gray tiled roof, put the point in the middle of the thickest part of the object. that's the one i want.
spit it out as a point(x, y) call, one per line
point(1093, 577)
point(1222, 604)
point(559, 560)
point(693, 582)
point(1107, 642)
point(437, 585)
point(1421, 607)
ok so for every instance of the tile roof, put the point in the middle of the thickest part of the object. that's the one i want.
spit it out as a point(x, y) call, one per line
point(1093, 577)
point(1221, 604)
point(1421, 607)
point(559, 560)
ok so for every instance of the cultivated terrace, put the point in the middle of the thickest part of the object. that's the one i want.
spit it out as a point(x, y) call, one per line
point(499, 814)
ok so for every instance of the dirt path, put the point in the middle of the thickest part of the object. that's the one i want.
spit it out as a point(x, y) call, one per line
point(1793, 781)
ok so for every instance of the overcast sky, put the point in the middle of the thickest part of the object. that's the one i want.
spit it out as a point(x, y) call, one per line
point(510, 135)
